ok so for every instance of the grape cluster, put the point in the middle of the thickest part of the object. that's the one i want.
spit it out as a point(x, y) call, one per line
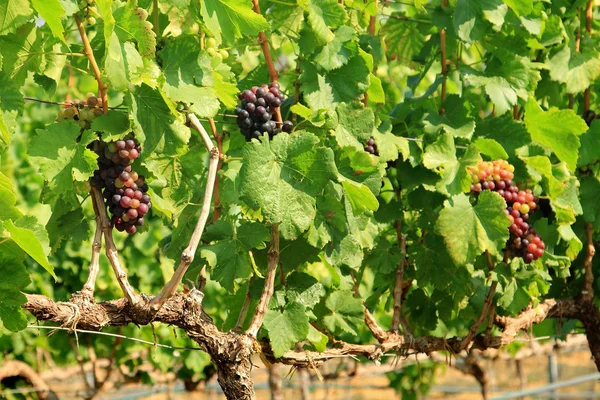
point(524, 242)
point(82, 111)
point(371, 147)
point(89, 10)
point(124, 190)
point(589, 116)
point(255, 115)
point(213, 50)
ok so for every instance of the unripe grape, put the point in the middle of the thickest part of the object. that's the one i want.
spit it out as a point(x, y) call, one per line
point(211, 43)
point(91, 20)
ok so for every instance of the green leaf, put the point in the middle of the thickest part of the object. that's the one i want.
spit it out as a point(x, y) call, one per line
point(346, 312)
point(467, 20)
point(232, 18)
point(577, 70)
point(505, 130)
point(23, 52)
point(402, 37)
point(491, 148)
point(61, 157)
point(11, 103)
point(590, 145)
point(441, 157)
point(557, 129)
point(304, 289)
point(52, 12)
point(7, 200)
point(341, 49)
point(323, 15)
point(185, 76)
point(32, 238)
point(454, 121)
point(283, 177)
point(114, 125)
point(155, 124)
point(326, 90)
point(590, 187)
point(13, 14)
point(131, 25)
point(286, 328)
point(14, 279)
point(360, 196)
point(470, 230)
point(317, 339)
point(520, 7)
point(121, 63)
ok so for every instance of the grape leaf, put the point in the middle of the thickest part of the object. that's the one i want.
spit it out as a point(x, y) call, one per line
point(66, 224)
point(470, 230)
point(14, 279)
point(323, 15)
point(114, 125)
point(590, 145)
point(32, 238)
point(590, 187)
point(155, 124)
point(229, 257)
point(286, 328)
point(7, 199)
point(283, 177)
point(13, 14)
point(491, 148)
point(121, 63)
point(232, 19)
point(61, 158)
point(356, 125)
point(52, 12)
point(454, 121)
point(325, 90)
point(22, 52)
point(11, 103)
point(520, 7)
point(441, 157)
point(317, 339)
point(576, 69)
point(184, 76)
point(346, 312)
point(403, 38)
point(557, 129)
point(304, 289)
point(337, 52)
point(131, 24)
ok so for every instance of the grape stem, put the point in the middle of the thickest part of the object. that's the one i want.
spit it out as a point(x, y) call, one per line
point(269, 287)
point(587, 292)
point(187, 256)
point(111, 249)
point(370, 320)
point(444, 64)
point(90, 284)
point(486, 306)
point(264, 44)
point(397, 317)
point(87, 50)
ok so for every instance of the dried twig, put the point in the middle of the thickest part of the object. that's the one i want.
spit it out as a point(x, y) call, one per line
point(111, 249)
point(587, 293)
point(397, 318)
point(187, 256)
point(267, 292)
point(87, 49)
point(244, 311)
point(486, 306)
point(94, 268)
point(370, 320)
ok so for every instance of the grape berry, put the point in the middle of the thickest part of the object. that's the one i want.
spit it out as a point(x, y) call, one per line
point(497, 176)
point(82, 111)
point(124, 190)
point(371, 147)
point(589, 117)
point(255, 115)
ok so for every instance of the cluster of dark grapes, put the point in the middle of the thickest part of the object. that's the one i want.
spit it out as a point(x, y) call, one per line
point(82, 111)
point(255, 113)
point(589, 116)
point(124, 190)
point(497, 175)
point(371, 147)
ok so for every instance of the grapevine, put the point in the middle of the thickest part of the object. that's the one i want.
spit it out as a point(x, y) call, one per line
point(124, 190)
point(498, 176)
point(255, 115)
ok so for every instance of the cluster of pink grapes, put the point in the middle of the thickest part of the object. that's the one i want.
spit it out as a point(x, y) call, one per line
point(498, 176)
point(124, 191)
